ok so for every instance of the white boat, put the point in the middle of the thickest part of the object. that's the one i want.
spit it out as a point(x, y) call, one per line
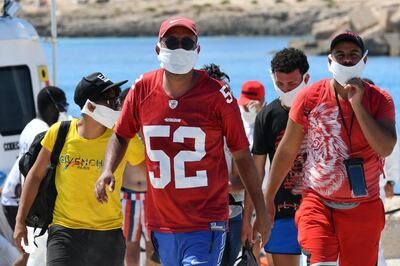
point(23, 71)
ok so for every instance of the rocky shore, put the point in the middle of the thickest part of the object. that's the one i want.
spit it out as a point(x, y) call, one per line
point(377, 22)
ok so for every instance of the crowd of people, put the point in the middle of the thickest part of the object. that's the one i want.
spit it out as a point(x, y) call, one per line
point(178, 162)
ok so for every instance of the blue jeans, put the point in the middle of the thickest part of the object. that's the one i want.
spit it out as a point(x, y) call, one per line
point(204, 248)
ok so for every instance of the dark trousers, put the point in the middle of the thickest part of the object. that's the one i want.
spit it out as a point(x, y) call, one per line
point(233, 243)
point(81, 247)
point(10, 212)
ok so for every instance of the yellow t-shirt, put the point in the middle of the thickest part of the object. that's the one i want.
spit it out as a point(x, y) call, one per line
point(79, 166)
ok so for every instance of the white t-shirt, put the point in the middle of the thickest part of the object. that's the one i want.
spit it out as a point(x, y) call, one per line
point(13, 181)
point(235, 210)
point(391, 169)
point(248, 128)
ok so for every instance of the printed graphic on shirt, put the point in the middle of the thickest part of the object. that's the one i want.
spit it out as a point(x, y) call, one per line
point(324, 168)
point(182, 180)
point(67, 161)
point(294, 179)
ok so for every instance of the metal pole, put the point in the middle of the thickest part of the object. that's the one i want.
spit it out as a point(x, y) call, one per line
point(54, 39)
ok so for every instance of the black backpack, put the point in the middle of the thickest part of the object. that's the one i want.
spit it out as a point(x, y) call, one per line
point(41, 212)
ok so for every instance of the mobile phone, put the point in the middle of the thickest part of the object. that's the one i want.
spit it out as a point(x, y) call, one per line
point(355, 173)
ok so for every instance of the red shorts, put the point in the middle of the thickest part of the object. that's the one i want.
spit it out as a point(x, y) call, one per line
point(134, 224)
point(352, 235)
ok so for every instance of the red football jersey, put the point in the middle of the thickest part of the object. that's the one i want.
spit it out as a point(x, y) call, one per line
point(184, 140)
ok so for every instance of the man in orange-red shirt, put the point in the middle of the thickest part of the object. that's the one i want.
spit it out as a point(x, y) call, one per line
point(344, 121)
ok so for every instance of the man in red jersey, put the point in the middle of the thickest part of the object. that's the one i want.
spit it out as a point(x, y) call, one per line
point(350, 127)
point(184, 115)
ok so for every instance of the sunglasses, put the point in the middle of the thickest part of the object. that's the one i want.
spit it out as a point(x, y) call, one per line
point(174, 43)
point(60, 106)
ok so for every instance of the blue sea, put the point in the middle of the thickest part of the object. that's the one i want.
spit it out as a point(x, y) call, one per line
point(242, 58)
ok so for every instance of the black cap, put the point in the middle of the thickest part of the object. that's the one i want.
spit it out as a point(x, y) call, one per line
point(348, 36)
point(92, 86)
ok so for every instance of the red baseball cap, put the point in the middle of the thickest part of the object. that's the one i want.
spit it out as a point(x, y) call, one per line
point(251, 90)
point(177, 21)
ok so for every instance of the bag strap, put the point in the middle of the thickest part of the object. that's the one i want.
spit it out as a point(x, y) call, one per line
point(55, 154)
point(247, 247)
point(60, 140)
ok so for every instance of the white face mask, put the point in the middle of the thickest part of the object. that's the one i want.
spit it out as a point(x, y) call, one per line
point(63, 116)
point(342, 73)
point(287, 98)
point(178, 61)
point(102, 114)
point(250, 116)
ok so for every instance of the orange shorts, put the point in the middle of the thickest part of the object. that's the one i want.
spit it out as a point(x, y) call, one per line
point(352, 235)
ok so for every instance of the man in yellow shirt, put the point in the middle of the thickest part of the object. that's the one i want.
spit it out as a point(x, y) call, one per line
point(83, 232)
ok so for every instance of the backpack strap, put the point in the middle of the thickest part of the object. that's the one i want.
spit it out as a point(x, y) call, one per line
point(55, 154)
point(60, 140)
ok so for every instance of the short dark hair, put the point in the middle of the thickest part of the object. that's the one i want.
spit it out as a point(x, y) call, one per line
point(215, 72)
point(44, 99)
point(368, 81)
point(288, 60)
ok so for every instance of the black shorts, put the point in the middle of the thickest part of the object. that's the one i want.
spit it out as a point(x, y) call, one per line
point(82, 247)
point(11, 213)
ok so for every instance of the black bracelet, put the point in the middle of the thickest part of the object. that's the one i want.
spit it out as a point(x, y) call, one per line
point(391, 182)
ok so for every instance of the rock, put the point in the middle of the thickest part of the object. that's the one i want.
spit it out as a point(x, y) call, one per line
point(298, 23)
point(382, 15)
point(376, 46)
point(372, 32)
point(303, 44)
point(325, 14)
point(374, 41)
point(395, 20)
point(393, 40)
point(326, 28)
point(362, 18)
point(323, 47)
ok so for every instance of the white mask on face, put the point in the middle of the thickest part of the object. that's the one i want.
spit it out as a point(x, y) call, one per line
point(287, 98)
point(63, 116)
point(250, 116)
point(178, 61)
point(102, 114)
point(342, 73)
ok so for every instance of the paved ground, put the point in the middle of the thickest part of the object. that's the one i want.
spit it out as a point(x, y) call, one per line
point(395, 262)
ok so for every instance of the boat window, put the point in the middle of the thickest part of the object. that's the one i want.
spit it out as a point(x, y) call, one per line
point(17, 106)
